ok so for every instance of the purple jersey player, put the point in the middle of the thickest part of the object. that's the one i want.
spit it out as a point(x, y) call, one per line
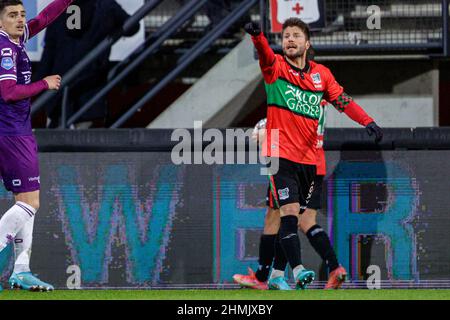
point(19, 166)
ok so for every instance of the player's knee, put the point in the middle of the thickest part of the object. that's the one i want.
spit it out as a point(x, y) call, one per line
point(291, 209)
point(272, 222)
point(307, 221)
point(306, 225)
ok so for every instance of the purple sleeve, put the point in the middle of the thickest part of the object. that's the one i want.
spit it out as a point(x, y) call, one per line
point(10, 91)
point(46, 16)
point(8, 66)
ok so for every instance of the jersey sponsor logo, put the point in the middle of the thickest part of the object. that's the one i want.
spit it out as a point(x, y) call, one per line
point(284, 94)
point(7, 63)
point(283, 194)
point(6, 52)
point(303, 102)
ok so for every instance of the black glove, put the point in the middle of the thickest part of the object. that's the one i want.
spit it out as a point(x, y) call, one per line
point(373, 128)
point(252, 28)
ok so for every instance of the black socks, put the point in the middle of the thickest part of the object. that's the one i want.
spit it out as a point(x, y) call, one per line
point(287, 244)
point(266, 254)
point(289, 240)
point(321, 243)
point(280, 261)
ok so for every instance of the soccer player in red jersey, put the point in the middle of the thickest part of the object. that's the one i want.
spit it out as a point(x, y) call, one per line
point(295, 88)
point(269, 247)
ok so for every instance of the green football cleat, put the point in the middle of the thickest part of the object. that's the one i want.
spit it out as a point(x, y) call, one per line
point(27, 281)
point(304, 278)
point(279, 283)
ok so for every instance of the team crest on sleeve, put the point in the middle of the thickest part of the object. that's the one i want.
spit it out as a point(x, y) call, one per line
point(6, 52)
point(7, 63)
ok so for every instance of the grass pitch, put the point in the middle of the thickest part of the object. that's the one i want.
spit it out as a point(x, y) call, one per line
point(241, 294)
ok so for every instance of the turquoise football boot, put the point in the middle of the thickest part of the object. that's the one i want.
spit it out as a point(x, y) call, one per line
point(279, 283)
point(27, 281)
point(304, 278)
point(1, 288)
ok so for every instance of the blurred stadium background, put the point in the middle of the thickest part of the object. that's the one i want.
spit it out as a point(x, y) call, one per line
point(117, 212)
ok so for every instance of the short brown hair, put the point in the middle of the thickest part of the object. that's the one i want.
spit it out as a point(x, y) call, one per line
point(296, 22)
point(7, 3)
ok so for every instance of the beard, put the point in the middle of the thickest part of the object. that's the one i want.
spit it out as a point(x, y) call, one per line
point(297, 54)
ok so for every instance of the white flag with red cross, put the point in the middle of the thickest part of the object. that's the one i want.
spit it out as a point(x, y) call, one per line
point(307, 10)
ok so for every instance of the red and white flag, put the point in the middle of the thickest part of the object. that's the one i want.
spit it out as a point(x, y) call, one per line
point(307, 10)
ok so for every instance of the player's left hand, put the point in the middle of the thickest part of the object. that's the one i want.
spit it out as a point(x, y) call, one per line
point(373, 128)
point(252, 28)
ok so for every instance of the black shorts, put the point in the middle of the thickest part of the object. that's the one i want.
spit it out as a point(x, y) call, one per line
point(293, 183)
point(316, 198)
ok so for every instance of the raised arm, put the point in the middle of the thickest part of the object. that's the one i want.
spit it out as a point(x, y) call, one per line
point(47, 16)
point(267, 58)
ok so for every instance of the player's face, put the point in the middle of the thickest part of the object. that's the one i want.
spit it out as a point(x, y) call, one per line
point(294, 43)
point(12, 21)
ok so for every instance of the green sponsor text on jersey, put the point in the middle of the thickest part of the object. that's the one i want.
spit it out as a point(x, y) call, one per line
point(288, 96)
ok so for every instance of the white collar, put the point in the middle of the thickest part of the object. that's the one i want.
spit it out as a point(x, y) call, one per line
point(3, 33)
